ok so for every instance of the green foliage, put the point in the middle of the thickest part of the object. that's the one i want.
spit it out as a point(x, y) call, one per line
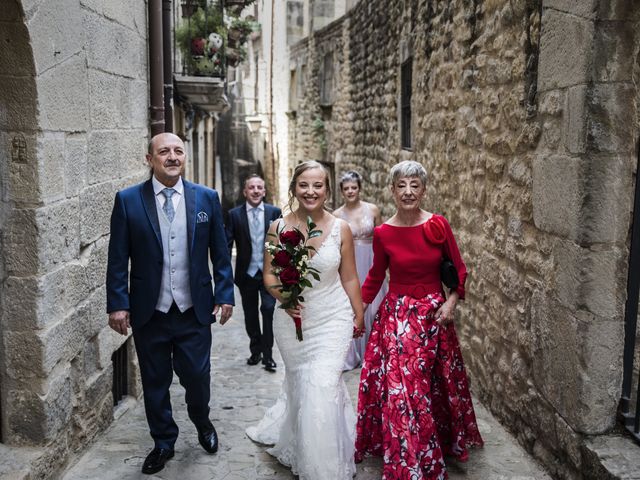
point(205, 20)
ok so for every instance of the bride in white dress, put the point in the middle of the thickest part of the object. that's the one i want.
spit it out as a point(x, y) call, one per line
point(312, 425)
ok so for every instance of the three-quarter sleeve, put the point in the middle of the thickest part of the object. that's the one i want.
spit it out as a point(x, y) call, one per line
point(453, 253)
point(378, 270)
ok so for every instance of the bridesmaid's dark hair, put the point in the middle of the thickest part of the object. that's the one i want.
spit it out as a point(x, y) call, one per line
point(351, 176)
point(299, 170)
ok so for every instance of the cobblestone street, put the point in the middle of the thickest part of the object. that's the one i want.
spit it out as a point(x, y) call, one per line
point(240, 394)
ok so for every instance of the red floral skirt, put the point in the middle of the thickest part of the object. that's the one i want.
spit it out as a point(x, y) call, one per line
point(414, 405)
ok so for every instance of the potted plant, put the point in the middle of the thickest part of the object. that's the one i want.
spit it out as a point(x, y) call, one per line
point(235, 56)
point(241, 28)
point(200, 39)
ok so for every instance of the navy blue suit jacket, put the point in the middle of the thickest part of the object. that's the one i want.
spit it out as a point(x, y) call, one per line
point(237, 229)
point(135, 236)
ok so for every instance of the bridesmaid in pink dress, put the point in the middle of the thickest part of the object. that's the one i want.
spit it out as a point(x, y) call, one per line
point(362, 217)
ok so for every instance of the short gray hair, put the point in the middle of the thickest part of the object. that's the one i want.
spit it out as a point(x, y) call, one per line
point(407, 168)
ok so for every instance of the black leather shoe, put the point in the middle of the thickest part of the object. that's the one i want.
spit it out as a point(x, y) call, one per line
point(269, 364)
point(208, 438)
point(156, 459)
point(254, 359)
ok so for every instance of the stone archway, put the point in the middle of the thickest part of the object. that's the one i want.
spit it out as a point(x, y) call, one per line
point(18, 188)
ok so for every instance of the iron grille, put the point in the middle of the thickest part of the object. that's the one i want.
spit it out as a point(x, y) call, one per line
point(119, 360)
point(406, 73)
point(631, 419)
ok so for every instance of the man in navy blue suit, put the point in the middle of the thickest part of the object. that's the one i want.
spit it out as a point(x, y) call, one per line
point(247, 226)
point(168, 229)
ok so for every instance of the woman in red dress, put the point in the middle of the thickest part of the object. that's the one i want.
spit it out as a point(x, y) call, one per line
point(414, 405)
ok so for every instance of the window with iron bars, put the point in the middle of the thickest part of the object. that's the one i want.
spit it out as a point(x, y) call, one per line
point(406, 72)
point(119, 360)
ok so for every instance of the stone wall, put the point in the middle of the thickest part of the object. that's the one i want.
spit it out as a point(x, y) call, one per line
point(525, 115)
point(75, 89)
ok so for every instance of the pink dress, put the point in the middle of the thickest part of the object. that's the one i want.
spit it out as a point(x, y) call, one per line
point(414, 405)
point(362, 230)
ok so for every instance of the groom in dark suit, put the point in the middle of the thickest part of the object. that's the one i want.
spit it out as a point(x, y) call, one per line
point(247, 226)
point(168, 229)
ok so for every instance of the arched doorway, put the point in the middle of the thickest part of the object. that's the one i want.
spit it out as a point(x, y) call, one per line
point(18, 130)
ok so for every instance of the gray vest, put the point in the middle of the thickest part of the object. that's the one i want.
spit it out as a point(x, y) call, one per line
point(174, 286)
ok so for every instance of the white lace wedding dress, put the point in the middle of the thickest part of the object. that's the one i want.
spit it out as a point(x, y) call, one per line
point(312, 424)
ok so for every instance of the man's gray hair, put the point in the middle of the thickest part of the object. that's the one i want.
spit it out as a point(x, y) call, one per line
point(407, 168)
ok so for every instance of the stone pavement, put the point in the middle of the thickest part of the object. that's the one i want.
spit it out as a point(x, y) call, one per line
point(240, 394)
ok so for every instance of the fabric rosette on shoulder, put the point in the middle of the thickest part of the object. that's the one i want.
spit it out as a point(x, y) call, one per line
point(434, 230)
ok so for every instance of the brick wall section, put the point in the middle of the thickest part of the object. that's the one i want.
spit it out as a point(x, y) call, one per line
point(517, 115)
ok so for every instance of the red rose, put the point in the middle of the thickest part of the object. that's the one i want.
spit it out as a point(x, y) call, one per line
point(282, 259)
point(289, 276)
point(291, 237)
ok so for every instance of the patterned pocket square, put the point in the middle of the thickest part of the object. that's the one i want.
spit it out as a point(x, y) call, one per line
point(202, 217)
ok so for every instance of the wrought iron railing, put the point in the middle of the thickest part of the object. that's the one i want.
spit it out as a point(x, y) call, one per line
point(630, 413)
point(120, 386)
point(200, 38)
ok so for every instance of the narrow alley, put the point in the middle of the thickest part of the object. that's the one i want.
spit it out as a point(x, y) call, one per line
point(240, 394)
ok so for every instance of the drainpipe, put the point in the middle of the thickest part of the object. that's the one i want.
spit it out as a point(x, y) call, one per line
point(168, 70)
point(156, 109)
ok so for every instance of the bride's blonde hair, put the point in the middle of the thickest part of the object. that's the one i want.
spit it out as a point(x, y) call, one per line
point(299, 170)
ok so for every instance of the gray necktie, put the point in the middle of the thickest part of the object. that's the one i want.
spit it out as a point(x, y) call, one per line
point(255, 221)
point(168, 204)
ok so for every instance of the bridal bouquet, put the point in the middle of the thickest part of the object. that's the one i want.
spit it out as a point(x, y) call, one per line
point(290, 263)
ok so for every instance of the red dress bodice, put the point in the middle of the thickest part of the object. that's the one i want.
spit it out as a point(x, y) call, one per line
point(413, 256)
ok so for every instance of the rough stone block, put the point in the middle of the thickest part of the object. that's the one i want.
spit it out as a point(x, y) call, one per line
point(608, 127)
point(138, 99)
point(75, 164)
point(133, 149)
point(52, 44)
point(19, 310)
point(583, 8)
point(114, 48)
point(609, 184)
point(20, 172)
point(51, 163)
point(557, 194)
point(95, 213)
point(63, 340)
point(20, 236)
point(18, 99)
point(614, 44)
point(611, 457)
point(24, 353)
point(121, 11)
point(58, 234)
point(575, 123)
point(109, 100)
point(104, 160)
point(37, 419)
point(556, 360)
point(565, 50)
point(15, 58)
point(63, 95)
point(53, 297)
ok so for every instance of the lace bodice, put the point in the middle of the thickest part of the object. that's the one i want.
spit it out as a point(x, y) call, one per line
point(361, 224)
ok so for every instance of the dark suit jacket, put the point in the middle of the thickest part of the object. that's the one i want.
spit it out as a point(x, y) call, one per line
point(135, 236)
point(237, 229)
